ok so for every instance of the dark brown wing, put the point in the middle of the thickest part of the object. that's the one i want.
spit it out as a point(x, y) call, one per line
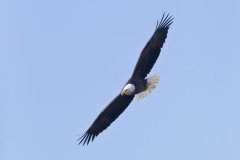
point(106, 117)
point(152, 49)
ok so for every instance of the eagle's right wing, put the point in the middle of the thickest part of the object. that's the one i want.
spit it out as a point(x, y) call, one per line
point(152, 49)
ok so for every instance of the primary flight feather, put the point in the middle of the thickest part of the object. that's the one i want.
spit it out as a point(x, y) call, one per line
point(138, 85)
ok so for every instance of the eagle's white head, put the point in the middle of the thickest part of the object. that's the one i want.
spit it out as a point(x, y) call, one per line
point(128, 89)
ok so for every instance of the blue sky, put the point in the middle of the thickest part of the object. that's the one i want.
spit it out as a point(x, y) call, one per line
point(62, 62)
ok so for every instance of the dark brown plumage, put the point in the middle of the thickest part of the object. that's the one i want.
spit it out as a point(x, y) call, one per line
point(144, 65)
point(106, 117)
point(152, 49)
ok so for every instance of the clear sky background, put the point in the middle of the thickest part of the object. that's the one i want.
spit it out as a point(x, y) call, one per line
point(62, 62)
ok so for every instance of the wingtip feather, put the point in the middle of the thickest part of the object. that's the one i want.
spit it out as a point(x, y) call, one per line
point(86, 138)
point(165, 21)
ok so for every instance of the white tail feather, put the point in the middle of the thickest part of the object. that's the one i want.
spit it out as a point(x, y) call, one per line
point(151, 84)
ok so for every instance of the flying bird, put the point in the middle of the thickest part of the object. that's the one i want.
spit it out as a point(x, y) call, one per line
point(138, 85)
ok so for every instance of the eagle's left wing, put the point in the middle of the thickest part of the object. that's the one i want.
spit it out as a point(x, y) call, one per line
point(106, 117)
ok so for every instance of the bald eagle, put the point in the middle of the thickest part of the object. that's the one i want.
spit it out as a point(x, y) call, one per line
point(138, 85)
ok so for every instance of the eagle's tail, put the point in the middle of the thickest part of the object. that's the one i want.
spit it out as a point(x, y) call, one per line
point(151, 84)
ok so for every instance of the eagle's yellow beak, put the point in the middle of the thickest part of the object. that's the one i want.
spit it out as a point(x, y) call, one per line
point(122, 93)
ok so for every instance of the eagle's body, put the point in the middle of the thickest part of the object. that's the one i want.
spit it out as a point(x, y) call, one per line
point(137, 85)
